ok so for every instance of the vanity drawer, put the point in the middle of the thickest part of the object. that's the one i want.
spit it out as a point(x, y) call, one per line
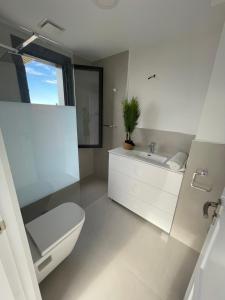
point(156, 216)
point(159, 217)
point(158, 177)
point(121, 185)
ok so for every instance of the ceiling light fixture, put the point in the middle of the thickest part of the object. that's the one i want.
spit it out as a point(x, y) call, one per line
point(106, 4)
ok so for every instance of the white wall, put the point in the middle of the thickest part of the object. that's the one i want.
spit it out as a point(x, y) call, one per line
point(207, 151)
point(212, 122)
point(114, 76)
point(174, 100)
point(41, 143)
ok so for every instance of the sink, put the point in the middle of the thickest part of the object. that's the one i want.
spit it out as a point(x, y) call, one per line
point(150, 156)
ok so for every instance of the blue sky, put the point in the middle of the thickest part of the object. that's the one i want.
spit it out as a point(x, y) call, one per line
point(42, 82)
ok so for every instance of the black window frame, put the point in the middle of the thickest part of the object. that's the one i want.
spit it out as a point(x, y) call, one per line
point(100, 72)
point(47, 55)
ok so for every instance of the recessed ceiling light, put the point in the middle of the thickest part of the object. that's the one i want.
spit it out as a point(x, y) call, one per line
point(106, 4)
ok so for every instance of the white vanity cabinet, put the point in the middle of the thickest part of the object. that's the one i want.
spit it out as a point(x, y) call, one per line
point(151, 191)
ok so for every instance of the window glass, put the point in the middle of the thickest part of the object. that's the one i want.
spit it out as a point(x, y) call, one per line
point(45, 82)
point(88, 90)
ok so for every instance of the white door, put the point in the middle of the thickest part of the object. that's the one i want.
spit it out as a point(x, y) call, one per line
point(5, 289)
point(17, 275)
point(208, 280)
point(10, 284)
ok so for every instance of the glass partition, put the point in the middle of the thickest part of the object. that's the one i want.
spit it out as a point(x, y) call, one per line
point(42, 148)
point(89, 93)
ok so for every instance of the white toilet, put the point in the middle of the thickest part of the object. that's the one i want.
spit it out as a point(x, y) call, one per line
point(53, 235)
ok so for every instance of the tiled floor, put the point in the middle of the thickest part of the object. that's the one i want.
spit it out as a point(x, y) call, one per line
point(119, 256)
point(91, 189)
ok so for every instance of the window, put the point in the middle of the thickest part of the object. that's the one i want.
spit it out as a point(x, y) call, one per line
point(44, 76)
point(89, 97)
point(45, 81)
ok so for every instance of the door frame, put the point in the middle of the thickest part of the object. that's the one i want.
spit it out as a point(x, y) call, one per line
point(15, 230)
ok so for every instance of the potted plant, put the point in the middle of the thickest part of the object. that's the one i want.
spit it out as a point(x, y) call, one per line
point(131, 113)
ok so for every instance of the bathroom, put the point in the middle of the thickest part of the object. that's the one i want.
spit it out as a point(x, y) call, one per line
point(93, 220)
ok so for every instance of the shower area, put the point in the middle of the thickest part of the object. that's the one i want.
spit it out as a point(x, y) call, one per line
point(43, 125)
point(39, 129)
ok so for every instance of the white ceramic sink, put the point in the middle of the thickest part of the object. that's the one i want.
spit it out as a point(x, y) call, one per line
point(150, 156)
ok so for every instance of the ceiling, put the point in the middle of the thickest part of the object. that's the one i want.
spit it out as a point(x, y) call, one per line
point(94, 33)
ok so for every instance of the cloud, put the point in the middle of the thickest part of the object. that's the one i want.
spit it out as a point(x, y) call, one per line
point(32, 71)
point(54, 81)
point(41, 65)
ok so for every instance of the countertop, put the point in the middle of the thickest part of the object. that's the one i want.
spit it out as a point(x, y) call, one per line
point(130, 154)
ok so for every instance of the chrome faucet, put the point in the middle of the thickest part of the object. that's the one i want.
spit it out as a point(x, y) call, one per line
point(152, 147)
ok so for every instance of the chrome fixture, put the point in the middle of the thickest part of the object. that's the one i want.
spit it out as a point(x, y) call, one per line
point(41, 36)
point(200, 172)
point(31, 39)
point(209, 204)
point(152, 147)
point(28, 41)
point(152, 76)
point(110, 125)
point(18, 49)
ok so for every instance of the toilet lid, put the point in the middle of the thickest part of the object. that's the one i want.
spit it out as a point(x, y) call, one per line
point(52, 227)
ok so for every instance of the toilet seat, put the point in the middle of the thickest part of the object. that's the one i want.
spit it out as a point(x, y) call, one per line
point(51, 228)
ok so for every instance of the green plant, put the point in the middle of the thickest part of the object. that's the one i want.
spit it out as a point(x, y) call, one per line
point(131, 113)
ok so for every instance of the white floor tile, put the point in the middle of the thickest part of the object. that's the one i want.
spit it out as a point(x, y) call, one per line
point(119, 256)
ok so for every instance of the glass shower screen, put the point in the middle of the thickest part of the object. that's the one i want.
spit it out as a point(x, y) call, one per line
point(88, 91)
point(41, 144)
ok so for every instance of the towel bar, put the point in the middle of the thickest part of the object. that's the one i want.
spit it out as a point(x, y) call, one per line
point(200, 172)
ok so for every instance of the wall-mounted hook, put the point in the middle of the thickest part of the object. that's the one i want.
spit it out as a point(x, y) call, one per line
point(152, 76)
